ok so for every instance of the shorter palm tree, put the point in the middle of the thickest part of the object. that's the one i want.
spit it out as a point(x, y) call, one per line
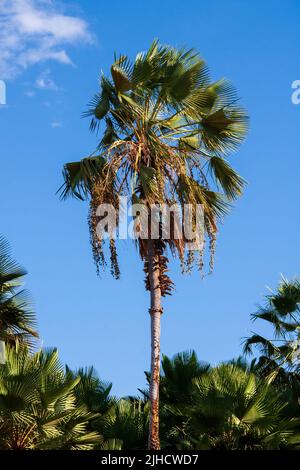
point(17, 319)
point(178, 375)
point(233, 409)
point(279, 356)
point(38, 405)
point(176, 386)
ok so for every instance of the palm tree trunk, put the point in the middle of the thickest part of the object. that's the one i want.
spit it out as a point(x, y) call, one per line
point(155, 314)
point(2, 352)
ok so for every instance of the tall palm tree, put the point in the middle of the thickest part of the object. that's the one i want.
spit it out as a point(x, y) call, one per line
point(166, 132)
point(17, 320)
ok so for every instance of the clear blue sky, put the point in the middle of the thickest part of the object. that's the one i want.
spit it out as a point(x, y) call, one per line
point(104, 322)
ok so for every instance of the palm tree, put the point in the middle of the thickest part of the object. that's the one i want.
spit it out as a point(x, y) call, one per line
point(279, 359)
point(122, 423)
point(235, 410)
point(38, 407)
point(17, 320)
point(167, 130)
point(177, 377)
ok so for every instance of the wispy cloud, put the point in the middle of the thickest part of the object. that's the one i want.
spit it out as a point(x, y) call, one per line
point(33, 31)
point(56, 124)
point(45, 82)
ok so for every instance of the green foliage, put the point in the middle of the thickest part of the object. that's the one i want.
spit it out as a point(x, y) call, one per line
point(233, 409)
point(126, 423)
point(38, 406)
point(44, 406)
point(79, 176)
point(225, 407)
point(17, 319)
point(279, 360)
point(178, 374)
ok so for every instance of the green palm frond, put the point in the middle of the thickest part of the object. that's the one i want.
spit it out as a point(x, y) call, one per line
point(79, 176)
point(17, 318)
point(279, 355)
point(233, 409)
point(10, 271)
point(227, 178)
point(38, 404)
point(91, 391)
point(287, 299)
point(125, 423)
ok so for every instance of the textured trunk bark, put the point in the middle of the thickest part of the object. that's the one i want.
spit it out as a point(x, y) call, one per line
point(155, 314)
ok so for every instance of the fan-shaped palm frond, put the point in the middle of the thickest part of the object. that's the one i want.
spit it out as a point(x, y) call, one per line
point(38, 405)
point(125, 423)
point(17, 319)
point(91, 391)
point(233, 409)
point(178, 375)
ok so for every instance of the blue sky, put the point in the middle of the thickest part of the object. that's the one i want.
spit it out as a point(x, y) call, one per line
point(51, 55)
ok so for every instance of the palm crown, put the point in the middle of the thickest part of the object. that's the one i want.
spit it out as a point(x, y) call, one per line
point(279, 358)
point(167, 131)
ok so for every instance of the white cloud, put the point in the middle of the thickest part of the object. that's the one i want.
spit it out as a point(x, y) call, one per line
point(56, 124)
point(33, 31)
point(45, 82)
